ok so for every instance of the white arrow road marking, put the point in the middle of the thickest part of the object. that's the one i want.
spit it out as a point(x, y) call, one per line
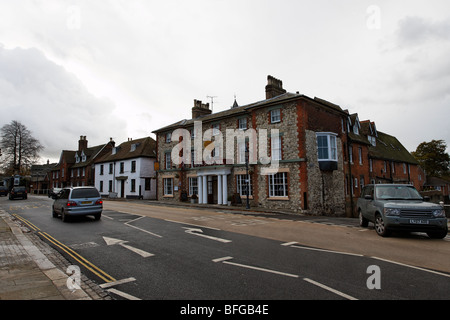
point(113, 241)
point(199, 232)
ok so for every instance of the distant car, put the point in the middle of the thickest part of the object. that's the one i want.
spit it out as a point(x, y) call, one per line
point(18, 192)
point(77, 201)
point(3, 191)
point(54, 192)
point(400, 207)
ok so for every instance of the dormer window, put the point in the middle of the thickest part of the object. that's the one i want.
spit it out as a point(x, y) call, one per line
point(83, 157)
point(133, 147)
point(115, 150)
point(77, 158)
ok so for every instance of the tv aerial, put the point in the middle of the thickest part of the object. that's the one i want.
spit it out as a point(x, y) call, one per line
point(212, 101)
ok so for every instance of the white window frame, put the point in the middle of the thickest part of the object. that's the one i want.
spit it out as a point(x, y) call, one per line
point(168, 186)
point(242, 124)
point(168, 160)
point(216, 129)
point(241, 184)
point(278, 185)
point(360, 155)
point(275, 115)
point(275, 148)
point(193, 186)
point(331, 146)
point(241, 152)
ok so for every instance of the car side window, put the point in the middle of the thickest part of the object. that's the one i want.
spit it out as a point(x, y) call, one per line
point(64, 194)
point(368, 191)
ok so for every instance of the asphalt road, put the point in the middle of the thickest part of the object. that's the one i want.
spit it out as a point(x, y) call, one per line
point(147, 252)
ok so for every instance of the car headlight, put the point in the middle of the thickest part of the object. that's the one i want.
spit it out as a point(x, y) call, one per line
point(439, 213)
point(391, 212)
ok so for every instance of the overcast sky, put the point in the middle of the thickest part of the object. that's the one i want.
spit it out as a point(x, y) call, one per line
point(111, 68)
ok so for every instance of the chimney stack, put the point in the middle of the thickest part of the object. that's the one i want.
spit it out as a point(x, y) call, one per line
point(82, 143)
point(274, 87)
point(200, 109)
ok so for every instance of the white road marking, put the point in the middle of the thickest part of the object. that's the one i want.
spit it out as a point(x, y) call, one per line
point(199, 232)
point(291, 244)
point(116, 283)
point(413, 267)
point(225, 260)
point(222, 259)
point(195, 225)
point(329, 289)
point(140, 229)
point(123, 294)
point(112, 241)
point(287, 244)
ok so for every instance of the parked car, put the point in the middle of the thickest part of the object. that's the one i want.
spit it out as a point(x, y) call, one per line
point(3, 191)
point(77, 201)
point(400, 207)
point(54, 192)
point(18, 192)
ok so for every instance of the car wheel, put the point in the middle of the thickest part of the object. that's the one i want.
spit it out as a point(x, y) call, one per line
point(97, 216)
point(380, 228)
point(363, 222)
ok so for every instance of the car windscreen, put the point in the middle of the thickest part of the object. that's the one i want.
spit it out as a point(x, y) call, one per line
point(397, 193)
point(85, 193)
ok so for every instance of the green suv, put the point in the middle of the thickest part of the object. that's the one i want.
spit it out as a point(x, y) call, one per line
point(400, 207)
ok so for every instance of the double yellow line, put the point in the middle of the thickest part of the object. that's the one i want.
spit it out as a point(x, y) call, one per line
point(80, 259)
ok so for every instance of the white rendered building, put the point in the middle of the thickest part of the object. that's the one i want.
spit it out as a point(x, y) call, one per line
point(128, 171)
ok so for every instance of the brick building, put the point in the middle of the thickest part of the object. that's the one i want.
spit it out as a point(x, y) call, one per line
point(305, 154)
point(76, 168)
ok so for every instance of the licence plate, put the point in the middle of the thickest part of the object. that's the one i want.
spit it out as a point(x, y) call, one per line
point(418, 221)
point(86, 202)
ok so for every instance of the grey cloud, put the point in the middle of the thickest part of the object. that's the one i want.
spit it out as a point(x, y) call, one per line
point(417, 30)
point(52, 103)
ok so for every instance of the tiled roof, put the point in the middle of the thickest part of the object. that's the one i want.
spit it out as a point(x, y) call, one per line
point(389, 148)
point(236, 110)
point(144, 147)
point(90, 154)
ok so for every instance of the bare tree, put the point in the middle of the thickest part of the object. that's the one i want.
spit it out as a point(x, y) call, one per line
point(19, 147)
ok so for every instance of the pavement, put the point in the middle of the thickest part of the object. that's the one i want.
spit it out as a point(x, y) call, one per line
point(32, 270)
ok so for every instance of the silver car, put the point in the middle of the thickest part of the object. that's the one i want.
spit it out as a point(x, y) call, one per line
point(77, 201)
point(400, 207)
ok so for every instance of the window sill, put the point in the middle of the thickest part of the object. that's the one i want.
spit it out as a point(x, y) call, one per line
point(278, 198)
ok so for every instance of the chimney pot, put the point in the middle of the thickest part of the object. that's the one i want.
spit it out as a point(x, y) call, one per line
point(200, 109)
point(274, 87)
